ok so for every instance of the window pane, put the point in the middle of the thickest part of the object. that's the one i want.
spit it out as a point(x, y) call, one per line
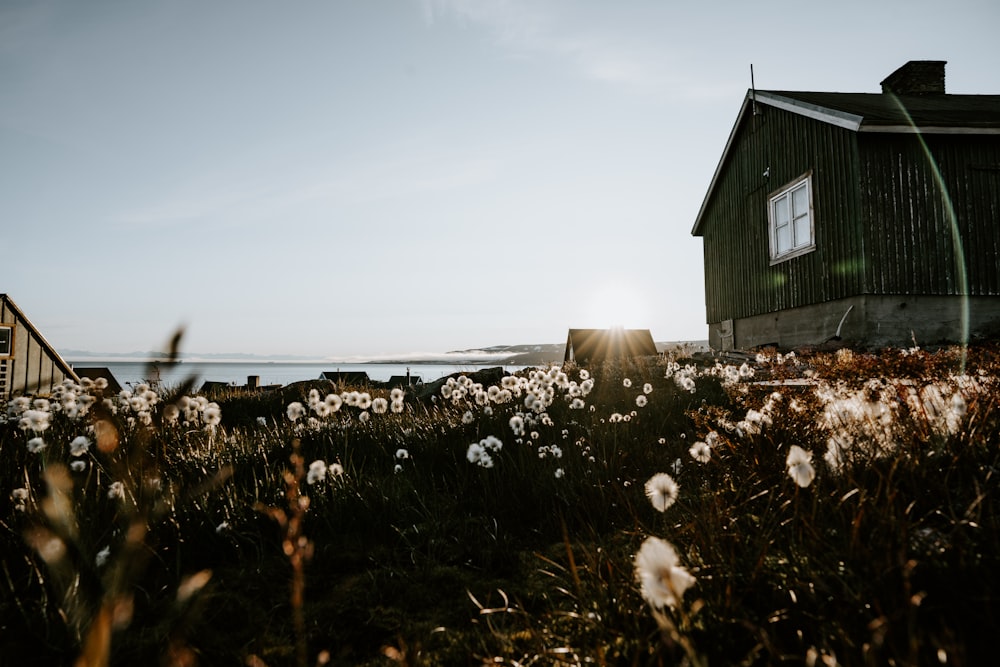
point(783, 239)
point(803, 236)
point(800, 201)
point(780, 211)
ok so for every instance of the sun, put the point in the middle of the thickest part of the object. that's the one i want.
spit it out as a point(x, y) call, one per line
point(617, 305)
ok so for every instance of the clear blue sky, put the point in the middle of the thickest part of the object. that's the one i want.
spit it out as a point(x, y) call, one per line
point(363, 178)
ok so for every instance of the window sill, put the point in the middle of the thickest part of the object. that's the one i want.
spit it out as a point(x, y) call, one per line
point(798, 252)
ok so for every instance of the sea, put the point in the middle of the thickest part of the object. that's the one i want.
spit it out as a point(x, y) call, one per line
point(131, 373)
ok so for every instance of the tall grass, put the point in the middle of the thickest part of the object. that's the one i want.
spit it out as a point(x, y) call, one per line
point(235, 529)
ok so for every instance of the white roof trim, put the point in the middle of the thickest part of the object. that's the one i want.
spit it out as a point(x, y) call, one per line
point(928, 129)
point(843, 119)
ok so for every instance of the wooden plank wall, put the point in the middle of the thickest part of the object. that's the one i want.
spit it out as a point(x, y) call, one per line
point(908, 224)
point(739, 280)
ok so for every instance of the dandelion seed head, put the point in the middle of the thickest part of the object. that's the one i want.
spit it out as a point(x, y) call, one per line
point(662, 490)
point(316, 472)
point(800, 467)
point(79, 446)
point(662, 579)
point(700, 452)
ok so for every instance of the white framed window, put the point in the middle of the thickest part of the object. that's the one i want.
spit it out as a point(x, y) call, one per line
point(790, 220)
point(6, 341)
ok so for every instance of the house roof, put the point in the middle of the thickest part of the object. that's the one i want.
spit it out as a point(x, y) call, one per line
point(938, 113)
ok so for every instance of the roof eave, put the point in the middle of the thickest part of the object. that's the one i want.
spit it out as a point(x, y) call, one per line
point(747, 102)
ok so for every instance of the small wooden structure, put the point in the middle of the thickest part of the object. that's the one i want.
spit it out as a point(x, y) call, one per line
point(95, 372)
point(403, 381)
point(28, 364)
point(869, 218)
point(590, 346)
point(346, 378)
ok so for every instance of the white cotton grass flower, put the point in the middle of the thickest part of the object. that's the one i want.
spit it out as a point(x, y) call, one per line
point(116, 490)
point(662, 490)
point(800, 467)
point(380, 406)
point(36, 445)
point(333, 402)
point(78, 466)
point(295, 411)
point(640, 400)
point(402, 454)
point(647, 388)
point(102, 557)
point(559, 473)
point(468, 417)
point(316, 472)
point(661, 577)
point(701, 452)
point(627, 383)
point(335, 470)
point(79, 446)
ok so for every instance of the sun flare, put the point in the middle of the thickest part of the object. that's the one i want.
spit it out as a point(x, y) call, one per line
point(617, 305)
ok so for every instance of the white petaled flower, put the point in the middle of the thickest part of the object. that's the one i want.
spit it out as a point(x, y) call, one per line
point(662, 490)
point(335, 470)
point(262, 421)
point(212, 414)
point(640, 400)
point(397, 406)
point(661, 577)
point(402, 454)
point(36, 445)
point(295, 410)
point(701, 452)
point(78, 466)
point(171, 413)
point(364, 400)
point(468, 417)
point(316, 472)
point(364, 417)
point(517, 425)
point(79, 446)
point(800, 467)
point(333, 402)
point(398, 469)
point(116, 490)
point(559, 473)
point(380, 406)
point(626, 383)
point(647, 388)
point(102, 557)
point(397, 394)
point(321, 409)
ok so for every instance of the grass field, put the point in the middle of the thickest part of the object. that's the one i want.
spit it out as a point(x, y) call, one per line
point(816, 509)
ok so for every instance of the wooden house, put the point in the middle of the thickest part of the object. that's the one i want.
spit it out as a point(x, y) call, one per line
point(871, 218)
point(28, 364)
point(590, 346)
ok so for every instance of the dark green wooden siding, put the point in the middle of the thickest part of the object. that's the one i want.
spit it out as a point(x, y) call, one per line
point(739, 280)
point(910, 230)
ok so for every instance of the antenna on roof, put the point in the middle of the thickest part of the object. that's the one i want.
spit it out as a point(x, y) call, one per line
point(753, 92)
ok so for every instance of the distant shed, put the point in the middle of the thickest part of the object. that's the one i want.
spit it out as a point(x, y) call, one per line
point(28, 364)
point(404, 381)
point(346, 378)
point(584, 346)
point(96, 372)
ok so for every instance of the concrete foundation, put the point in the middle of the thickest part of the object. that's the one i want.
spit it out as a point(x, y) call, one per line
point(865, 321)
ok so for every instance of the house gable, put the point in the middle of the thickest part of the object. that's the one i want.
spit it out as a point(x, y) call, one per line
point(28, 364)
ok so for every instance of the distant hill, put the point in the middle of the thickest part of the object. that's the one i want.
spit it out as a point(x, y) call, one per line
point(553, 353)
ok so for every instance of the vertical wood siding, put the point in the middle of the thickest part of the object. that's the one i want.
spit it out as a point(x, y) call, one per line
point(32, 369)
point(739, 280)
point(908, 225)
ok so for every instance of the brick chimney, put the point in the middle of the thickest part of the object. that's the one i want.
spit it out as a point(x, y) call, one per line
point(917, 77)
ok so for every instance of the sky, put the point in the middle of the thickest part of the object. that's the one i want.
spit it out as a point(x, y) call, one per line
point(358, 179)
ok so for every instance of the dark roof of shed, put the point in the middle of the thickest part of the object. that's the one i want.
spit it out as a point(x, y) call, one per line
point(871, 112)
point(589, 345)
